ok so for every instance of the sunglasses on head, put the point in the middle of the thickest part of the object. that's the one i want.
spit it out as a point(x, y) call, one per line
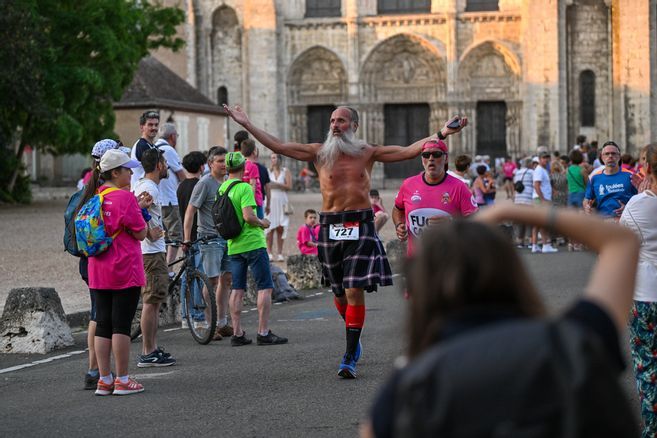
point(435, 154)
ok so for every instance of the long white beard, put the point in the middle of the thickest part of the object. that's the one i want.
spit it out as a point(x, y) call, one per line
point(335, 145)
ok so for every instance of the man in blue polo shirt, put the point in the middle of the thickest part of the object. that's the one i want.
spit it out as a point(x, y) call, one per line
point(611, 188)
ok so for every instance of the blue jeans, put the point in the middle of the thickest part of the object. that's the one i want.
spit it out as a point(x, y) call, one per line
point(575, 199)
point(258, 261)
point(197, 291)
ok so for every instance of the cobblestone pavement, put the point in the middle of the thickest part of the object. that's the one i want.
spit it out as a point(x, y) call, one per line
point(32, 252)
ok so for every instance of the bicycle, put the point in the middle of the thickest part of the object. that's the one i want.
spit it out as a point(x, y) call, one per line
point(199, 307)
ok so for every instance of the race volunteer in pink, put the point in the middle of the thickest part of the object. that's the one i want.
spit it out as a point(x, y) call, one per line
point(431, 196)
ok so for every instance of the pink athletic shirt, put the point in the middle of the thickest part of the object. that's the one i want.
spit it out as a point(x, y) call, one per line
point(121, 266)
point(420, 201)
point(251, 172)
point(303, 236)
point(508, 169)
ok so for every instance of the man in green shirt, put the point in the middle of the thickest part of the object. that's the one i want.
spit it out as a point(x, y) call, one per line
point(248, 250)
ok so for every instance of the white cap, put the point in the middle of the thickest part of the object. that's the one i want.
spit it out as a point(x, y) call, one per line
point(535, 160)
point(115, 158)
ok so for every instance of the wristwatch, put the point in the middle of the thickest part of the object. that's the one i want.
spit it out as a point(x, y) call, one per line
point(440, 135)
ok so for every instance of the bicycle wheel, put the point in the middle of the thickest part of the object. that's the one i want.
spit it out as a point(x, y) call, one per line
point(135, 326)
point(200, 307)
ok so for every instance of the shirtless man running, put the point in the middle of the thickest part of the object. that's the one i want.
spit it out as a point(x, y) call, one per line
point(352, 257)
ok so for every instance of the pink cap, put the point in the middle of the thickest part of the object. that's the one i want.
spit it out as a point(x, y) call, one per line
point(435, 144)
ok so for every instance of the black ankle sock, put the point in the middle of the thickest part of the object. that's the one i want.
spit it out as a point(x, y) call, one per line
point(353, 336)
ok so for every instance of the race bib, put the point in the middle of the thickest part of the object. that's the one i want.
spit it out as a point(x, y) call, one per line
point(345, 231)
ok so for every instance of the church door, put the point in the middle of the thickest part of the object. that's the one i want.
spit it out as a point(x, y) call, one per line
point(491, 129)
point(405, 124)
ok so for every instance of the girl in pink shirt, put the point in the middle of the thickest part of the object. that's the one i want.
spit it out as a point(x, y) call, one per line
point(116, 275)
point(308, 233)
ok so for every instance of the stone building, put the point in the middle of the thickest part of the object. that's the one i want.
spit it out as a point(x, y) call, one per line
point(526, 72)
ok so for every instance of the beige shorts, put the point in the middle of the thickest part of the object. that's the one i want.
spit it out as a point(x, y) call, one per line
point(172, 223)
point(157, 278)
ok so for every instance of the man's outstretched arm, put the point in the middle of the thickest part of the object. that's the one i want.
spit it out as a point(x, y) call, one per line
point(390, 154)
point(299, 151)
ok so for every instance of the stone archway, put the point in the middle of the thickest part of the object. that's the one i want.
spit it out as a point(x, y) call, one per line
point(316, 78)
point(489, 81)
point(404, 69)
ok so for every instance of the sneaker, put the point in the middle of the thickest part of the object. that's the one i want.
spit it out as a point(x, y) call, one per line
point(549, 249)
point(103, 388)
point(535, 249)
point(271, 257)
point(132, 387)
point(226, 331)
point(217, 336)
point(271, 339)
point(280, 258)
point(200, 325)
point(155, 359)
point(162, 352)
point(347, 369)
point(184, 325)
point(90, 382)
point(359, 352)
point(238, 341)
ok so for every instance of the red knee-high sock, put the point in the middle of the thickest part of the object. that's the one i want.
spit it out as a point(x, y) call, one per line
point(342, 308)
point(355, 319)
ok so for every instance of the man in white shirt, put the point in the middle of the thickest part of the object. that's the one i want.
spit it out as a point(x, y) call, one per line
point(149, 123)
point(153, 252)
point(542, 196)
point(168, 188)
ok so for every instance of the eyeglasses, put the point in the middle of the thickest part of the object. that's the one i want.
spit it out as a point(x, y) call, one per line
point(607, 154)
point(435, 154)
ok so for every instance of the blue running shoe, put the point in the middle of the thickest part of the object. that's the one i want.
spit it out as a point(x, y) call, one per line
point(359, 351)
point(347, 368)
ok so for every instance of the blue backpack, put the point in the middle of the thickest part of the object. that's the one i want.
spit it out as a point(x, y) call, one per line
point(70, 245)
point(90, 233)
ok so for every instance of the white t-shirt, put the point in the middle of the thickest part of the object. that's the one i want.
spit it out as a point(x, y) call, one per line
point(639, 216)
point(169, 185)
point(155, 210)
point(541, 175)
point(467, 181)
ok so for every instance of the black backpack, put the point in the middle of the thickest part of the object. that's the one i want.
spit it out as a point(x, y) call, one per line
point(226, 220)
point(528, 379)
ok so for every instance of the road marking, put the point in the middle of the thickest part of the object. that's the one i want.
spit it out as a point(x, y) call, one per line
point(245, 311)
point(253, 308)
point(277, 304)
point(172, 329)
point(42, 361)
point(396, 275)
point(151, 375)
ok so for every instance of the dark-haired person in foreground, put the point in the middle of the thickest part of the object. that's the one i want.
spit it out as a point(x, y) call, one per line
point(352, 256)
point(484, 359)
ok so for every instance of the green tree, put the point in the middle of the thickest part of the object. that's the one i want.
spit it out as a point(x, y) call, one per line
point(64, 63)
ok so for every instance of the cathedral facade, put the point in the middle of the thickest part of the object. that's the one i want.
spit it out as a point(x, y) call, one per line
point(526, 72)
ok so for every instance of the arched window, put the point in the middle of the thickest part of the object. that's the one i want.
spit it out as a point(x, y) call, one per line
point(222, 96)
point(587, 98)
point(323, 8)
point(403, 6)
point(482, 5)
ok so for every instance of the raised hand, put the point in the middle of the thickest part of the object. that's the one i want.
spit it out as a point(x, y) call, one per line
point(237, 114)
point(446, 130)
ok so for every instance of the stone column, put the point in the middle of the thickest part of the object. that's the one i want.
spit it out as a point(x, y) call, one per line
point(350, 12)
point(632, 72)
point(513, 113)
point(541, 122)
point(261, 88)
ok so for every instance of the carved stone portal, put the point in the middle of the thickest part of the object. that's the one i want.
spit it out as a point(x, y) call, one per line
point(317, 77)
point(403, 69)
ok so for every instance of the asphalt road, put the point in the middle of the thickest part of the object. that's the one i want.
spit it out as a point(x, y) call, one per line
point(278, 391)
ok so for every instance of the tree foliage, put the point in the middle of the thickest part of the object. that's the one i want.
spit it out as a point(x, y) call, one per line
point(66, 62)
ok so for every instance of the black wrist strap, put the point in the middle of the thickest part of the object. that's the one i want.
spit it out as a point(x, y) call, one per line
point(440, 135)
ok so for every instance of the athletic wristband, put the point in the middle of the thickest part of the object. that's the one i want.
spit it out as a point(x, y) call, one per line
point(145, 215)
point(440, 135)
